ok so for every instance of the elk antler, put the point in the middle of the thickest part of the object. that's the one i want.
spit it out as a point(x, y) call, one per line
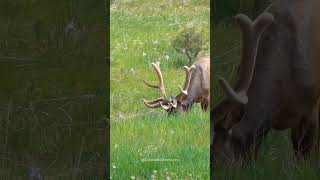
point(188, 77)
point(251, 33)
point(156, 67)
point(154, 103)
point(157, 103)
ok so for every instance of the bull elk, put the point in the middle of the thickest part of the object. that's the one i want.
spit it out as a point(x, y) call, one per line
point(278, 85)
point(196, 88)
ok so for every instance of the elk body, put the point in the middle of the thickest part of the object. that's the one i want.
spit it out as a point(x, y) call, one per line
point(196, 88)
point(278, 85)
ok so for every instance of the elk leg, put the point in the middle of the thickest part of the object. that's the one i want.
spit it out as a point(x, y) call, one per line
point(305, 136)
point(204, 105)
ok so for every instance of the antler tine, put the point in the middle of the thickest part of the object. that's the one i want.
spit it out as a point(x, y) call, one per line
point(150, 104)
point(161, 87)
point(188, 77)
point(156, 101)
point(251, 33)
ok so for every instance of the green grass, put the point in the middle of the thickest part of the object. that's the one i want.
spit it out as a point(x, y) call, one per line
point(52, 90)
point(276, 158)
point(147, 27)
point(183, 141)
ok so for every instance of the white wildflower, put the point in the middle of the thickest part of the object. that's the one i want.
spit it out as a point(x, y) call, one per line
point(121, 116)
point(132, 177)
point(155, 171)
point(166, 57)
point(144, 54)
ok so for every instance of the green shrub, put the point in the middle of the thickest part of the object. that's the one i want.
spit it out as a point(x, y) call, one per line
point(190, 42)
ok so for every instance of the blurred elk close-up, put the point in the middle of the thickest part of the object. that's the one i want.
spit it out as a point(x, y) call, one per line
point(277, 85)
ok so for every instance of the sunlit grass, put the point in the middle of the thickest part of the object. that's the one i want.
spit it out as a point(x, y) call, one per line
point(180, 143)
point(141, 32)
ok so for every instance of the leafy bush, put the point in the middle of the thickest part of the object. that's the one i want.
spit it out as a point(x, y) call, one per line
point(190, 42)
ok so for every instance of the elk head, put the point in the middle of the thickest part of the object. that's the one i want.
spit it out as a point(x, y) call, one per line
point(231, 124)
point(171, 104)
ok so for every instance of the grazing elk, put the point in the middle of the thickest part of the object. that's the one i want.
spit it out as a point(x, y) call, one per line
point(196, 88)
point(278, 85)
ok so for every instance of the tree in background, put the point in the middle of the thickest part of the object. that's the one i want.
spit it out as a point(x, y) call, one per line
point(190, 42)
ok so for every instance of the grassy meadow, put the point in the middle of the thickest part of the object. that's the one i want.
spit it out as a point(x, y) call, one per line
point(276, 158)
point(52, 89)
point(146, 143)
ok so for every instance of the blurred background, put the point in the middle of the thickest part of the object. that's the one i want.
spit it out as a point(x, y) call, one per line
point(52, 89)
point(224, 10)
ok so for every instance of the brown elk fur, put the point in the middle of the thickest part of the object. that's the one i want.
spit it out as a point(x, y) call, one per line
point(196, 89)
point(278, 85)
